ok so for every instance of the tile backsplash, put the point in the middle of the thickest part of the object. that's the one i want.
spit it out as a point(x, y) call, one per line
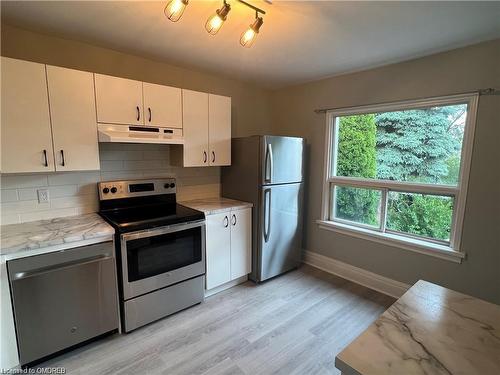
point(74, 193)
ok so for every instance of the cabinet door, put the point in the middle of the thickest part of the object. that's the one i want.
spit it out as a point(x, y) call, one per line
point(241, 243)
point(218, 250)
point(162, 105)
point(219, 125)
point(195, 128)
point(119, 100)
point(72, 113)
point(26, 136)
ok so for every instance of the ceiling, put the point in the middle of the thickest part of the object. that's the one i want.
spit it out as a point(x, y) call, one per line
point(299, 41)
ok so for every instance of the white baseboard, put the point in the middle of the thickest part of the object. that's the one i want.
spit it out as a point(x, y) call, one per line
point(357, 275)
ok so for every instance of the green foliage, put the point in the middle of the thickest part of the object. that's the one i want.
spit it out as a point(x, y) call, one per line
point(421, 145)
point(356, 157)
point(356, 146)
point(424, 215)
point(414, 145)
point(359, 205)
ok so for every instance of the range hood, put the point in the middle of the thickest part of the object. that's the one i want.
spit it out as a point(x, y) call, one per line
point(139, 134)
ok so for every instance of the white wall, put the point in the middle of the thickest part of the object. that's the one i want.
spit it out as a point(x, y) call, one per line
point(74, 193)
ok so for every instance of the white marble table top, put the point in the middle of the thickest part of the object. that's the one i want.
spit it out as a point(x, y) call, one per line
point(54, 233)
point(212, 206)
point(429, 330)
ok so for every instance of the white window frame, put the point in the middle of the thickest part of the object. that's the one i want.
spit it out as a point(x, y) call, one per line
point(450, 251)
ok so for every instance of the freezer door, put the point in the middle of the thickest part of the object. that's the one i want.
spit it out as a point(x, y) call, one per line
point(282, 160)
point(280, 230)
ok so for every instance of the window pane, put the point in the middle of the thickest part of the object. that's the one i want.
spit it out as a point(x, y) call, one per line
point(417, 145)
point(420, 214)
point(357, 205)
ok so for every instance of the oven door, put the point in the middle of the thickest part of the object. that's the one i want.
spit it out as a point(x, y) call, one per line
point(156, 258)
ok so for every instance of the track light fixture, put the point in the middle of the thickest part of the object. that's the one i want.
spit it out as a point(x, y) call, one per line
point(249, 35)
point(175, 9)
point(215, 22)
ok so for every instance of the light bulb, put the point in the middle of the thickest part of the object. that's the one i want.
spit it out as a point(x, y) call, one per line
point(249, 35)
point(175, 9)
point(215, 22)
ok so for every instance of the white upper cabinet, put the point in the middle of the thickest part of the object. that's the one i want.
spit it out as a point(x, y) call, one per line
point(206, 129)
point(26, 135)
point(118, 100)
point(195, 128)
point(162, 105)
point(219, 129)
point(72, 113)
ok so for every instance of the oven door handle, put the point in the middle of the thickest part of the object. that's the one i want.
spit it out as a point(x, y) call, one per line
point(162, 230)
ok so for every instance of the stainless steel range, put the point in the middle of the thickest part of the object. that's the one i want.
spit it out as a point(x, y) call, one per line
point(160, 249)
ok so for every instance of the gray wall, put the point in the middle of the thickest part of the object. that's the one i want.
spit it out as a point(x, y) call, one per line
point(456, 71)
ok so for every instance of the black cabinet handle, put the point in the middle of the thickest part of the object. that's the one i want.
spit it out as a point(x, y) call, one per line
point(213, 156)
point(150, 114)
point(46, 163)
point(204, 156)
point(234, 219)
point(138, 113)
point(63, 162)
point(226, 222)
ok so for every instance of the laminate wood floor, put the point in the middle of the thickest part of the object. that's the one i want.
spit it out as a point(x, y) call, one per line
point(293, 324)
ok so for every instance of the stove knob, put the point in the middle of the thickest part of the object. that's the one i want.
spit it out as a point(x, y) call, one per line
point(105, 190)
point(114, 189)
point(166, 186)
point(172, 185)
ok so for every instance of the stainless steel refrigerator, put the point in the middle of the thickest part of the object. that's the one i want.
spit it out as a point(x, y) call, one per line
point(268, 171)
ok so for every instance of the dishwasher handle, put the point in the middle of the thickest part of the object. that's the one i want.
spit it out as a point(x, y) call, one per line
point(60, 266)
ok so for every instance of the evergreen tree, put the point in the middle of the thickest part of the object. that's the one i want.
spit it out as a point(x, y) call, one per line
point(415, 145)
point(420, 145)
point(356, 158)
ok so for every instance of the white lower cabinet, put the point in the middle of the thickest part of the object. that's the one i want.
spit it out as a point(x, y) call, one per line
point(228, 246)
point(241, 243)
point(218, 250)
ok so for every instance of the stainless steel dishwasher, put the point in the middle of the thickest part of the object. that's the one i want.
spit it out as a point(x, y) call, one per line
point(62, 299)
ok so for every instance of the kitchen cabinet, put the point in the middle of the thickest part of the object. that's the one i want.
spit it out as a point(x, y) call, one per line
point(195, 128)
point(72, 114)
point(207, 130)
point(218, 250)
point(26, 134)
point(128, 102)
point(241, 243)
point(219, 129)
point(162, 106)
point(228, 246)
point(118, 100)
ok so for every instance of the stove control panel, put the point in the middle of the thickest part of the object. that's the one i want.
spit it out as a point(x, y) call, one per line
point(135, 188)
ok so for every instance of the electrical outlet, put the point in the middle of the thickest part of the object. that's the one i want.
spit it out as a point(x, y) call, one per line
point(43, 196)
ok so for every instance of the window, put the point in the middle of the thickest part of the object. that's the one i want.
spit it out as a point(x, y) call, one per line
point(398, 172)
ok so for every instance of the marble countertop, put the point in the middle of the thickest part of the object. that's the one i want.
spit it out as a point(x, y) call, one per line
point(18, 240)
point(212, 206)
point(429, 330)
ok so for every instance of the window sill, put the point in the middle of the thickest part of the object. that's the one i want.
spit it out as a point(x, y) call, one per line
point(422, 247)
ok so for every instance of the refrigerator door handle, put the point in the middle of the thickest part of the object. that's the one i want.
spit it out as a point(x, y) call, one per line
point(267, 214)
point(268, 176)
